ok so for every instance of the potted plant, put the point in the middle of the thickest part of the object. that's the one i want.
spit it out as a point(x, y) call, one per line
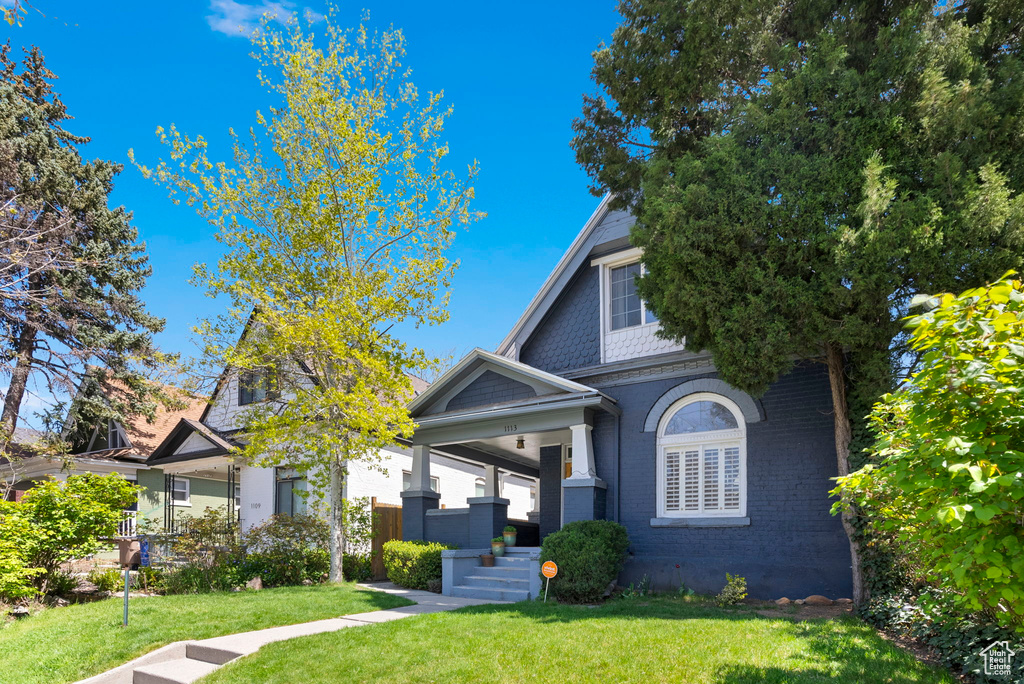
point(498, 546)
point(487, 559)
point(509, 535)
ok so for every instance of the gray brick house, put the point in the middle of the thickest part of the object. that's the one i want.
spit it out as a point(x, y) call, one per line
point(613, 423)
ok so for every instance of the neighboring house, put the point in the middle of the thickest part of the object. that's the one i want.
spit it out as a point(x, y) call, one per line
point(619, 424)
point(113, 447)
point(201, 447)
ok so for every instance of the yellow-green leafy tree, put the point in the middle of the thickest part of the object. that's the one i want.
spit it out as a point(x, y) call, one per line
point(336, 212)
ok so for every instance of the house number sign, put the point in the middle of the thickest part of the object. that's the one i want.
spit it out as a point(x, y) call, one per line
point(511, 428)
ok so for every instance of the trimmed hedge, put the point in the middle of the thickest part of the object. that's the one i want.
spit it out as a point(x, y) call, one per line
point(589, 555)
point(413, 564)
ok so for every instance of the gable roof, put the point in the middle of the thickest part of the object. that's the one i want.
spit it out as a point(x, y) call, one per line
point(479, 361)
point(185, 428)
point(145, 436)
point(603, 226)
point(419, 385)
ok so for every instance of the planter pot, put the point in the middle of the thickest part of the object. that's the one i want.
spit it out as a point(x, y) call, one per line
point(498, 548)
point(487, 559)
point(510, 539)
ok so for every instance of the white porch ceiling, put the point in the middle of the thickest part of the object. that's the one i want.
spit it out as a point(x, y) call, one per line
point(505, 445)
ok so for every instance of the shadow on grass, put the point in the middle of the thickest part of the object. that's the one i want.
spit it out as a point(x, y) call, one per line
point(842, 649)
point(839, 655)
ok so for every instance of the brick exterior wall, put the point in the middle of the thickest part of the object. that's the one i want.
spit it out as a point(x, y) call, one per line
point(793, 546)
point(570, 335)
point(490, 388)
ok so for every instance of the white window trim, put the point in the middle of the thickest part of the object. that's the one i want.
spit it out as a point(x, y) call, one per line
point(716, 438)
point(606, 264)
point(187, 503)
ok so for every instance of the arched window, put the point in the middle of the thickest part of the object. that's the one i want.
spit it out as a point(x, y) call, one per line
point(702, 454)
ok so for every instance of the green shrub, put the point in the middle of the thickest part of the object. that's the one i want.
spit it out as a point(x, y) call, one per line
point(947, 478)
point(357, 567)
point(109, 579)
point(589, 555)
point(935, 619)
point(413, 564)
point(55, 522)
point(16, 577)
point(734, 591)
point(287, 550)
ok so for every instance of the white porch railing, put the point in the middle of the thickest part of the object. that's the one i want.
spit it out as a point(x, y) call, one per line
point(128, 525)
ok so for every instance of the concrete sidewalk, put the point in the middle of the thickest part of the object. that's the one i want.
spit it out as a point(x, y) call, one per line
point(184, 662)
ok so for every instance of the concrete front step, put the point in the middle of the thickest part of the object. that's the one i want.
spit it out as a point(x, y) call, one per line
point(519, 571)
point(514, 562)
point(495, 582)
point(180, 671)
point(489, 593)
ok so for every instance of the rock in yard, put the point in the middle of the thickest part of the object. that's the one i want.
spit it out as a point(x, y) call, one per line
point(818, 600)
point(60, 603)
point(85, 587)
point(256, 583)
point(799, 602)
point(307, 582)
point(844, 601)
point(782, 601)
point(19, 611)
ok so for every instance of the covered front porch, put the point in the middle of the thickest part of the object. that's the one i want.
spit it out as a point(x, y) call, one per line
point(508, 418)
point(198, 473)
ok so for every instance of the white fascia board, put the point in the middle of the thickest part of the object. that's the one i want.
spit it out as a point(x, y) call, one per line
point(438, 389)
point(533, 307)
point(614, 259)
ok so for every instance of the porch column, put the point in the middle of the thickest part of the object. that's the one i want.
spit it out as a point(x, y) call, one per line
point(583, 491)
point(582, 452)
point(488, 514)
point(419, 498)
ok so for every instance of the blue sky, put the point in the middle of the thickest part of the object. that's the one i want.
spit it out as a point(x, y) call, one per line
point(515, 73)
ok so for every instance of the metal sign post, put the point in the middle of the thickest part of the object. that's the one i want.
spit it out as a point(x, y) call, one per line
point(127, 582)
point(549, 570)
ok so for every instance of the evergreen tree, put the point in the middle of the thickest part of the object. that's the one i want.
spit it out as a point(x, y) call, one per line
point(71, 266)
point(799, 171)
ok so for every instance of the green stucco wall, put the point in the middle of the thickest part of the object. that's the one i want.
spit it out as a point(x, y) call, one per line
point(204, 493)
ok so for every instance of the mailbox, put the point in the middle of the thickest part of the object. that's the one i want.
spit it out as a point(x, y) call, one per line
point(130, 553)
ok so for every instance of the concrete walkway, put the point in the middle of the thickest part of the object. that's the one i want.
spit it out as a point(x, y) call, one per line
point(183, 662)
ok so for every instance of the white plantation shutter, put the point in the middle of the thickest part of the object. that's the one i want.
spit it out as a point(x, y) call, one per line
point(672, 480)
point(691, 478)
point(701, 442)
point(711, 479)
point(731, 479)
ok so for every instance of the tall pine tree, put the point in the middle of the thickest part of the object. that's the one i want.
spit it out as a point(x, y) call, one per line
point(799, 171)
point(71, 266)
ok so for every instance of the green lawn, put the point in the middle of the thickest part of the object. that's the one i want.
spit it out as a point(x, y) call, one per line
point(68, 644)
point(636, 640)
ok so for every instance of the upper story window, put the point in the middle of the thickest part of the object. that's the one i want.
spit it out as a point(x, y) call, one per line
point(256, 386)
point(626, 309)
point(628, 328)
point(702, 458)
point(108, 436)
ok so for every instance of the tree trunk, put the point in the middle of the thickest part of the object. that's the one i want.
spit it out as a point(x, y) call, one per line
point(337, 522)
point(23, 357)
point(841, 414)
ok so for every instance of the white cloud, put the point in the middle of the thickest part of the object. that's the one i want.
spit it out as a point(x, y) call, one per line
point(234, 18)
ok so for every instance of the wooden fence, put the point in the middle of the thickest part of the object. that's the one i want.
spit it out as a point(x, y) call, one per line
point(387, 525)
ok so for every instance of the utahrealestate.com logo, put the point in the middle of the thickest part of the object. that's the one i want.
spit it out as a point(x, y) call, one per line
point(998, 659)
